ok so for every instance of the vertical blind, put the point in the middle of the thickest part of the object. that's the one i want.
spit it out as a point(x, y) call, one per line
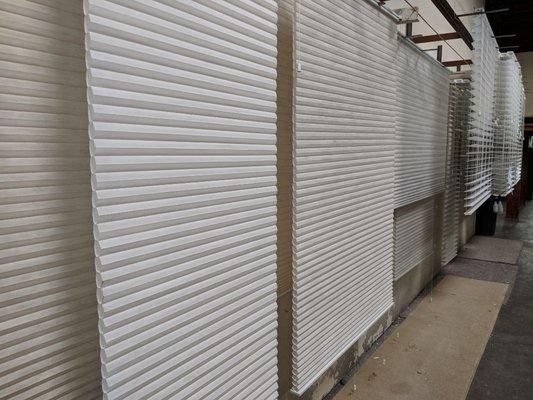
point(413, 236)
point(508, 133)
point(480, 138)
point(343, 179)
point(48, 325)
point(421, 123)
point(183, 139)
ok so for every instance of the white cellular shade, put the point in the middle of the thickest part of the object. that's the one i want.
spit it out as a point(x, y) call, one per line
point(421, 123)
point(343, 179)
point(183, 139)
point(48, 324)
point(480, 140)
point(508, 133)
point(413, 236)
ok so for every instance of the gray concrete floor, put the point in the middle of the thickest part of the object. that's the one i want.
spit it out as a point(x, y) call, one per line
point(506, 368)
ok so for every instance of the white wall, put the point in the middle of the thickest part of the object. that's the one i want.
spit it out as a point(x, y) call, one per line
point(433, 16)
point(526, 61)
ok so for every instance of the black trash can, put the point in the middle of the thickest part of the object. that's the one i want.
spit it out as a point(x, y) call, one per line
point(486, 218)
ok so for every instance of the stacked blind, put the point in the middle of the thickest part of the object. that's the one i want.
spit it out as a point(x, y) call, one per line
point(421, 123)
point(48, 327)
point(480, 139)
point(413, 236)
point(459, 114)
point(343, 179)
point(183, 139)
point(508, 135)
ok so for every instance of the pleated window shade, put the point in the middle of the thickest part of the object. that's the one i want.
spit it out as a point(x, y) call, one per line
point(421, 124)
point(480, 139)
point(343, 179)
point(48, 326)
point(459, 114)
point(413, 236)
point(508, 133)
point(183, 139)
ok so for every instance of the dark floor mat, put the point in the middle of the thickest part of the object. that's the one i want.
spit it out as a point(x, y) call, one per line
point(492, 249)
point(483, 270)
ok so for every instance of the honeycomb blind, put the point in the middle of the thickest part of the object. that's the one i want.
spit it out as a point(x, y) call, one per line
point(413, 236)
point(422, 91)
point(48, 327)
point(183, 139)
point(343, 179)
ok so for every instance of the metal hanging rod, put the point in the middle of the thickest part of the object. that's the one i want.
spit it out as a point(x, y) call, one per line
point(484, 12)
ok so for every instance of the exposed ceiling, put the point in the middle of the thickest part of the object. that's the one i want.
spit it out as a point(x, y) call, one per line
point(518, 20)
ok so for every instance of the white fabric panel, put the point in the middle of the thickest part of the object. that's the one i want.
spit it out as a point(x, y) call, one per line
point(478, 173)
point(413, 236)
point(343, 179)
point(508, 133)
point(421, 123)
point(48, 328)
point(459, 110)
point(183, 138)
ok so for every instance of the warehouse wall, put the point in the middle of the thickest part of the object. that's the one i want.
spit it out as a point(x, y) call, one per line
point(467, 228)
point(526, 61)
point(284, 194)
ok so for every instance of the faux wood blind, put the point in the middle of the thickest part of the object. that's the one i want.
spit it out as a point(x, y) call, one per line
point(459, 110)
point(183, 138)
point(48, 315)
point(508, 134)
point(343, 179)
point(480, 139)
point(413, 236)
point(421, 125)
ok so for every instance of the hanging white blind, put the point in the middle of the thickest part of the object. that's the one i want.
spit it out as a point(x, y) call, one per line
point(459, 110)
point(413, 236)
point(48, 317)
point(183, 131)
point(480, 140)
point(508, 134)
point(343, 179)
point(421, 124)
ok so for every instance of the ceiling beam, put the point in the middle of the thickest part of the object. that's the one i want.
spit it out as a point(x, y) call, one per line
point(435, 38)
point(447, 12)
point(456, 63)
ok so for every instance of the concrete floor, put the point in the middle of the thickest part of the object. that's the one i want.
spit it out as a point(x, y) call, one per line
point(433, 354)
point(506, 368)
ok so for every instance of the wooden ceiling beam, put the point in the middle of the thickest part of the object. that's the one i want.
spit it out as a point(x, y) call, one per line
point(447, 11)
point(456, 63)
point(436, 38)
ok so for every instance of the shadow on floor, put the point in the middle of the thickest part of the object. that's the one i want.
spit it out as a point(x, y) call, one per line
point(505, 371)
